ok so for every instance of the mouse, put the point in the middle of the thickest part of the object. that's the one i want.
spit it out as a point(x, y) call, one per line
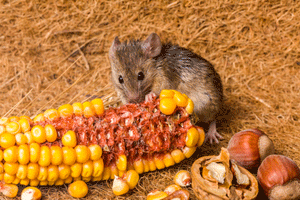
point(140, 68)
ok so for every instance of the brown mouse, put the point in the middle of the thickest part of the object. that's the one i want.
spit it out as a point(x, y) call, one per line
point(143, 67)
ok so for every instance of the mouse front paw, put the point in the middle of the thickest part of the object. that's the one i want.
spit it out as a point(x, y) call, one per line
point(150, 96)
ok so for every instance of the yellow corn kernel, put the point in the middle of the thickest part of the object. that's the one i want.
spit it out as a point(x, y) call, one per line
point(87, 169)
point(45, 156)
point(16, 181)
point(121, 173)
point(146, 165)
point(168, 160)
point(106, 173)
point(11, 168)
point(77, 108)
point(25, 125)
point(53, 173)
point(59, 181)
point(98, 106)
point(96, 151)
point(33, 170)
point(26, 117)
point(166, 94)
point(25, 181)
point(64, 171)
point(39, 118)
point(88, 109)
point(34, 152)
point(138, 166)
point(201, 136)
point(14, 119)
point(51, 134)
point(69, 155)
point(82, 153)
point(23, 154)
point(177, 155)
point(22, 171)
point(51, 183)
point(65, 110)
point(69, 139)
point(190, 106)
point(31, 193)
point(188, 151)
point(20, 139)
point(56, 155)
point(78, 189)
point(38, 134)
point(159, 162)
point(167, 106)
point(51, 114)
point(172, 188)
point(34, 183)
point(1, 168)
point(43, 173)
point(29, 137)
point(7, 140)
point(1, 155)
point(8, 178)
point(120, 186)
point(97, 178)
point(132, 178)
point(192, 137)
point(68, 180)
point(113, 171)
point(156, 195)
point(86, 179)
point(43, 183)
point(182, 178)
point(122, 163)
point(152, 165)
point(98, 167)
point(4, 120)
point(11, 154)
point(2, 129)
point(9, 190)
point(180, 100)
point(76, 170)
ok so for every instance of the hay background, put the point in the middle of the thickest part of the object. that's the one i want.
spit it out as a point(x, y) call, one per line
point(55, 52)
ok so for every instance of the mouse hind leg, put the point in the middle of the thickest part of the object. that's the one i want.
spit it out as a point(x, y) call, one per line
point(212, 135)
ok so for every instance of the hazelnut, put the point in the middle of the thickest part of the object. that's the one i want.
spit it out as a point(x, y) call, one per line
point(279, 177)
point(249, 147)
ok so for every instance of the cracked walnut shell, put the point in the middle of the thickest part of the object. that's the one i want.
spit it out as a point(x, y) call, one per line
point(217, 178)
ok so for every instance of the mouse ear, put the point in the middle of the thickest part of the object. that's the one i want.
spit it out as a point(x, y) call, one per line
point(152, 45)
point(114, 46)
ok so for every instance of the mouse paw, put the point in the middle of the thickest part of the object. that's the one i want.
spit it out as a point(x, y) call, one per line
point(150, 96)
point(212, 135)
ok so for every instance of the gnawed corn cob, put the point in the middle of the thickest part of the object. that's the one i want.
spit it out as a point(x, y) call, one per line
point(86, 142)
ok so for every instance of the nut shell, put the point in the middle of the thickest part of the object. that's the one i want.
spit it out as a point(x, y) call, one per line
point(249, 147)
point(207, 188)
point(279, 177)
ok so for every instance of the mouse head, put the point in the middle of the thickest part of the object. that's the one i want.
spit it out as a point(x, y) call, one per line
point(133, 67)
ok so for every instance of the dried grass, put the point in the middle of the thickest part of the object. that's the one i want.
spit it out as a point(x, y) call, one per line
point(55, 52)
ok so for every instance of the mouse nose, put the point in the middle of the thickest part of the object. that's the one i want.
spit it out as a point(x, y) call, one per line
point(134, 98)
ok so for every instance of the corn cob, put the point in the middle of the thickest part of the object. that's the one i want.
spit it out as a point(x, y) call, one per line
point(86, 142)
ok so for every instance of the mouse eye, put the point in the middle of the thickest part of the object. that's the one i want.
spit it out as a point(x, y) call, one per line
point(121, 79)
point(141, 76)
